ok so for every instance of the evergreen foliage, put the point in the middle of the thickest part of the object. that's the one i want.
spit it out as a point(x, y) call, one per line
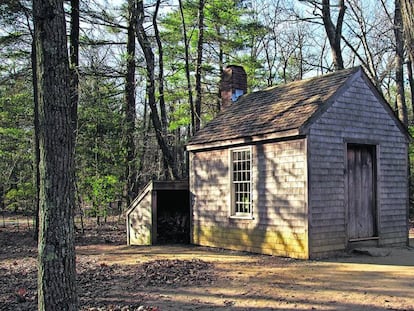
point(275, 41)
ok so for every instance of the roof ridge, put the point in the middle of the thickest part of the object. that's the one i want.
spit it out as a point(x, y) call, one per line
point(306, 80)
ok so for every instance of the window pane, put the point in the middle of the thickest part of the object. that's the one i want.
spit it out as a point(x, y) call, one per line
point(241, 181)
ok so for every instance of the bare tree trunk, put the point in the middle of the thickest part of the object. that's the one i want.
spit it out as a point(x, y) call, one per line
point(366, 58)
point(74, 79)
point(56, 259)
point(36, 153)
point(320, 65)
point(407, 12)
point(74, 63)
point(399, 64)
point(145, 44)
point(187, 67)
point(79, 205)
point(161, 99)
point(334, 32)
point(221, 67)
point(143, 150)
point(163, 110)
point(199, 64)
point(129, 108)
point(411, 83)
point(301, 62)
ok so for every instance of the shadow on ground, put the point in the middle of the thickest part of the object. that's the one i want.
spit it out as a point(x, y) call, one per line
point(111, 277)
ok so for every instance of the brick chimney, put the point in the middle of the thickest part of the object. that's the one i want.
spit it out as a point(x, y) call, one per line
point(233, 84)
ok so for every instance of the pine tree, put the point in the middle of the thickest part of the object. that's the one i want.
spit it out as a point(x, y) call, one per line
point(56, 258)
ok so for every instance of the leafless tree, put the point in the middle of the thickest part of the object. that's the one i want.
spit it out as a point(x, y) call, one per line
point(407, 11)
point(199, 62)
point(323, 9)
point(146, 46)
point(399, 62)
point(370, 40)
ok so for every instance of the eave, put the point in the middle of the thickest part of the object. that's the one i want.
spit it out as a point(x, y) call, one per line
point(239, 141)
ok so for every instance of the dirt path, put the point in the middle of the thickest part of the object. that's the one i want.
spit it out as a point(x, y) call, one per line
point(254, 282)
point(116, 277)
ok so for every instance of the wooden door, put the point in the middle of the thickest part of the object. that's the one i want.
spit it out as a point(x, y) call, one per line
point(361, 191)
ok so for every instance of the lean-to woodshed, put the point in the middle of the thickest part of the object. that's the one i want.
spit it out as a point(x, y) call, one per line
point(159, 214)
point(304, 170)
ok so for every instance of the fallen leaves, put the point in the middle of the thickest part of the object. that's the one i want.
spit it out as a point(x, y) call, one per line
point(99, 282)
point(101, 286)
point(175, 273)
point(121, 308)
point(21, 294)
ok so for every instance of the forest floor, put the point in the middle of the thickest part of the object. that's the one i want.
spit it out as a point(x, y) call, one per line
point(113, 276)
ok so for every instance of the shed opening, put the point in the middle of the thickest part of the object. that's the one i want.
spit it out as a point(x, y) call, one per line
point(173, 216)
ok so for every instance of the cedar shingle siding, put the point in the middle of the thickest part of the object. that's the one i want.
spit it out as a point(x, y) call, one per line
point(279, 223)
point(140, 220)
point(356, 116)
point(299, 135)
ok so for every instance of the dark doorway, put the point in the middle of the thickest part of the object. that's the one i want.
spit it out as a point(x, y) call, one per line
point(173, 216)
point(362, 214)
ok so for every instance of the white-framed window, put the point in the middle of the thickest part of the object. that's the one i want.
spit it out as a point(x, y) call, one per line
point(241, 182)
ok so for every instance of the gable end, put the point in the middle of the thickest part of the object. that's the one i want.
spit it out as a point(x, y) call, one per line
point(304, 129)
point(387, 107)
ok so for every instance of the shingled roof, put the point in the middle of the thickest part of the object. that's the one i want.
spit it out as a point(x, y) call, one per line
point(273, 110)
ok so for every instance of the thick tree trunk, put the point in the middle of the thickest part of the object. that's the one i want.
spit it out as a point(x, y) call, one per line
point(334, 32)
point(129, 110)
point(399, 64)
point(56, 259)
point(199, 65)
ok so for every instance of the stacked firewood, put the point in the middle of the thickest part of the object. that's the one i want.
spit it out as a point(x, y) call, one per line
point(173, 228)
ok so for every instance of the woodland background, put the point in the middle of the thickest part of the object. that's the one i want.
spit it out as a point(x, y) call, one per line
point(147, 76)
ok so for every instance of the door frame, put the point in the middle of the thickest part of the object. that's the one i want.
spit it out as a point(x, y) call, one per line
point(375, 147)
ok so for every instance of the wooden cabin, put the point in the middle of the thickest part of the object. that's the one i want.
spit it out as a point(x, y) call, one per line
point(305, 170)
